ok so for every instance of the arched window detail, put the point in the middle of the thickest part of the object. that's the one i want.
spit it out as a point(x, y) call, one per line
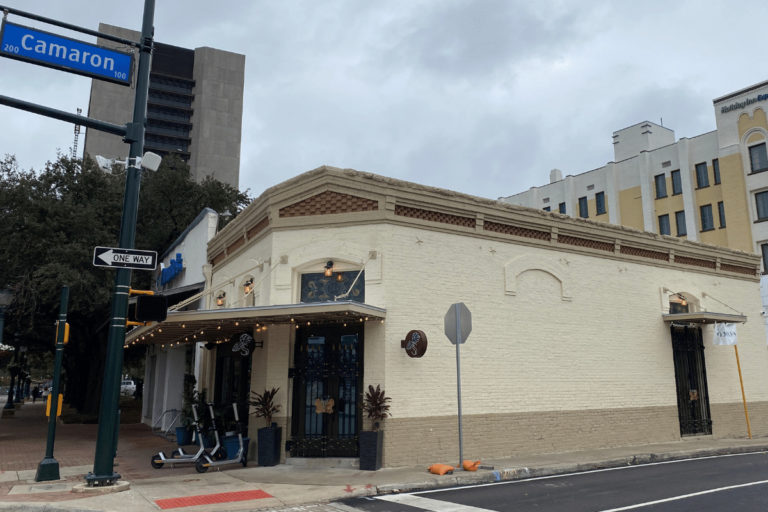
point(521, 264)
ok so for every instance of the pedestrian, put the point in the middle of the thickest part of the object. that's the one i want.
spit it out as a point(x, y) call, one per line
point(35, 393)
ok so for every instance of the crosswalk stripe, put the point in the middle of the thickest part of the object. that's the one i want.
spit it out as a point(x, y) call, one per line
point(429, 504)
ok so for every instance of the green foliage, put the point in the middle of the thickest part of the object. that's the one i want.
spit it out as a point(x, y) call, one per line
point(53, 219)
point(376, 405)
point(264, 405)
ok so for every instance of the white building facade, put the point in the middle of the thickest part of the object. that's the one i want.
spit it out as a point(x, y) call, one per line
point(579, 333)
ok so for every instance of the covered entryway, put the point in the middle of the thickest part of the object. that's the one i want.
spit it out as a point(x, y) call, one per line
point(690, 366)
point(327, 383)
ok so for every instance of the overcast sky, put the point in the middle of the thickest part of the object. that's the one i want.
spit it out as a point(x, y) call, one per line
point(483, 97)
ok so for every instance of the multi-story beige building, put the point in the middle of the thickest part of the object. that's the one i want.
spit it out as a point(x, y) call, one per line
point(584, 334)
point(710, 188)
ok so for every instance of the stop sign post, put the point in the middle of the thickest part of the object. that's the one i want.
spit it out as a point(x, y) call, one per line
point(458, 325)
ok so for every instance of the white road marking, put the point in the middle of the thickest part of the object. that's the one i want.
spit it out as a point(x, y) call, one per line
point(429, 504)
point(685, 496)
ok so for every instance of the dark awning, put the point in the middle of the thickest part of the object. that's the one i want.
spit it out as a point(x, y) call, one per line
point(217, 325)
point(704, 317)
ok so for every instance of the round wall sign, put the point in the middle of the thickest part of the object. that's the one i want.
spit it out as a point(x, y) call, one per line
point(415, 343)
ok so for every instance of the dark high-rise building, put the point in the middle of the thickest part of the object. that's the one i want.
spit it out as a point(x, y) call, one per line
point(194, 108)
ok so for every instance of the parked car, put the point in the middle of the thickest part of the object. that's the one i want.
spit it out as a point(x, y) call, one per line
point(127, 388)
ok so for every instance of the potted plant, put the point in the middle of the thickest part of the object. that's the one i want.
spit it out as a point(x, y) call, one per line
point(268, 437)
point(376, 406)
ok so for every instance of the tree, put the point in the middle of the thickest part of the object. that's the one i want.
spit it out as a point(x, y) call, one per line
point(53, 219)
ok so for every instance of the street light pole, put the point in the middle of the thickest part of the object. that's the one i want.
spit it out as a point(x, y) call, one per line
point(106, 440)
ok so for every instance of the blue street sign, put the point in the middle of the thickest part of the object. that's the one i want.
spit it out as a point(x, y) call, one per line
point(54, 51)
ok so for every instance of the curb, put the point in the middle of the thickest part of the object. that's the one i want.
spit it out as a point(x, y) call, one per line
point(524, 473)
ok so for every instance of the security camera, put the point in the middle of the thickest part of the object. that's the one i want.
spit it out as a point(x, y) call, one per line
point(151, 161)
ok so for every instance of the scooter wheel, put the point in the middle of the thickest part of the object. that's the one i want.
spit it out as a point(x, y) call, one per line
point(200, 465)
point(156, 461)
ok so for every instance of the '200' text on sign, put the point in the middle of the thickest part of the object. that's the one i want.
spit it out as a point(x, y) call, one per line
point(51, 50)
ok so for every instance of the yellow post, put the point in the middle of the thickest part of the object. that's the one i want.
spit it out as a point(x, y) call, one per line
point(743, 397)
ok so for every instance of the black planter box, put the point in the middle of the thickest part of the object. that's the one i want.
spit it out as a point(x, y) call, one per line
point(371, 448)
point(269, 445)
point(183, 436)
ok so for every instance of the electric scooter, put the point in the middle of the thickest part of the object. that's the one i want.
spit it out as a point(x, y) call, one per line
point(206, 461)
point(178, 456)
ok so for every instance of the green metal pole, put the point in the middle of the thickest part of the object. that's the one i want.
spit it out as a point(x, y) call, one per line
point(106, 440)
point(48, 469)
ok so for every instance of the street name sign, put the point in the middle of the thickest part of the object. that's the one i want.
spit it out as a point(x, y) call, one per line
point(58, 52)
point(124, 258)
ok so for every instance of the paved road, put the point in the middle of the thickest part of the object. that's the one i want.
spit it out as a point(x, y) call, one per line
point(738, 482)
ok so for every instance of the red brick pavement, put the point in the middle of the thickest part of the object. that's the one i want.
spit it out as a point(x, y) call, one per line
point(23, 443)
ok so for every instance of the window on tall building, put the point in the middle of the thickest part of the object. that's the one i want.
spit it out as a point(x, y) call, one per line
point(702, 177)
point(716, 170)
point(721, 213)
point(664, 225)
point(707, 222)
point(583, 210)
point(677, 184)
point(761, 201)
point(764, 250)
point(600, 202)
point(680, 223)
point(758, 158)
point(661, 186)
point(561, 208)
point(547, 208)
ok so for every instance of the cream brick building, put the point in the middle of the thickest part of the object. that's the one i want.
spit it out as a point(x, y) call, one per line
point(573, 343)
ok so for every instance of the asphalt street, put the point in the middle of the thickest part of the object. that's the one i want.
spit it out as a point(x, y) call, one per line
point(734, 482)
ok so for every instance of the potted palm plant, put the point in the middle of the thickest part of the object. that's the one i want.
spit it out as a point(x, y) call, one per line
point(268, 437)
point(376, 407)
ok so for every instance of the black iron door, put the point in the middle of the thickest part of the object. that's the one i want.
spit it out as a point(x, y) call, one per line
point(326, 391)
point(691, 378)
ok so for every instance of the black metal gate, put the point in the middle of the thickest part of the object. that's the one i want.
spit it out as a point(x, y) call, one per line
point(327, 380)
point(691, 379)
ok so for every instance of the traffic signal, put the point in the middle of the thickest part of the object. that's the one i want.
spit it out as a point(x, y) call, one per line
point(151, 308)
point(66, 333)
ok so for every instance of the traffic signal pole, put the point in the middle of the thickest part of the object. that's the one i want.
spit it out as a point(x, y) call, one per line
point(48, 469)
point(106, 440)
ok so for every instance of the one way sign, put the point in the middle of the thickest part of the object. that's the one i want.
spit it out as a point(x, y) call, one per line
point(125, 258)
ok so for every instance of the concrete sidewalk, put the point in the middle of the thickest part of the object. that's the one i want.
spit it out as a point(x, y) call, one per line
point(22, 447)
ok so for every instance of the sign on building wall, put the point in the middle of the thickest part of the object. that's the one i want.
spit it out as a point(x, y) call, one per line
point(725, 334)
